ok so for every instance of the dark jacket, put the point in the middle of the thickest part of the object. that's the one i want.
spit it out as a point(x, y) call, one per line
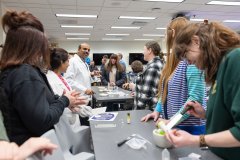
point(33, 108)
point(120, 78)
point(223, 111)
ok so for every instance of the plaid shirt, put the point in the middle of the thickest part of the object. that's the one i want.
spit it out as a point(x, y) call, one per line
point(147, 85)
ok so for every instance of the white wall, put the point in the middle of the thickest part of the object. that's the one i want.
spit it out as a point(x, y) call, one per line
point(2, 34)
point(109, 47)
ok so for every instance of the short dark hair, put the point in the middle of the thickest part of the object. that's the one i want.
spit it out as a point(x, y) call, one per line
point(154, 46)
point(137, 66)
point(25, 40)
point(79, 47)
point(57, 57)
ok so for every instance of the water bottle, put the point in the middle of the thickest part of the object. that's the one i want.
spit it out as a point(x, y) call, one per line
point(165, 154)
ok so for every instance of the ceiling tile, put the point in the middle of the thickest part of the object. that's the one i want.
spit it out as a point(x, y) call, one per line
point(108, 12)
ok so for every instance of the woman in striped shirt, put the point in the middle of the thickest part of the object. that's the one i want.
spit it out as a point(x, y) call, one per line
point(180, 82)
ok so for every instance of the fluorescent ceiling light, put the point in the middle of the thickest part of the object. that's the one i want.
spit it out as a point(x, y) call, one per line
point(131, 17)
point(123, 34)
point(197, 20)
point(143, 39)
point(112, 39)
point(154, 35)
point(119, 27)
point(77, 34)
point(232, 21)
point(224, 3)
point(76, 15)
point(161, 28)
point(71, 26)
point(176, 1)
point(78, 38)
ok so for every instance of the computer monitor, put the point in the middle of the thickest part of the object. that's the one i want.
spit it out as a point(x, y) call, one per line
point(97, 57)
point(136, 56)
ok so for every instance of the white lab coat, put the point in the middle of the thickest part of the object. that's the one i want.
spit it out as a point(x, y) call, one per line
point(58, 88)
point(56, 83)
point(78, 74)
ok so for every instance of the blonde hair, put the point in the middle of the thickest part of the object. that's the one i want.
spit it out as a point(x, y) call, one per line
point(173, 29)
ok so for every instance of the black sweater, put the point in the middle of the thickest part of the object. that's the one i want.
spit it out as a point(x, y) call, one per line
point(33, 108)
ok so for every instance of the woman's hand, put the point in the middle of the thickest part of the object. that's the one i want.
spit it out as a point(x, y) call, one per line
point(75, 99)
point(154, 115)
point(8, 151)
point(125, 86)
point(197, 110)
point(33, 145)
point(132, 86)
point(180, 138)
point(161, 119)
point(112, 84)
point(11, 151)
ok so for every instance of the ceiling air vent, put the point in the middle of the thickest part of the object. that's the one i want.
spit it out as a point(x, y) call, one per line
point(139, 23)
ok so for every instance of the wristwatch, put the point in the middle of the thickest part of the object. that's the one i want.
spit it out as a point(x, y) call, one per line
point(202, 141)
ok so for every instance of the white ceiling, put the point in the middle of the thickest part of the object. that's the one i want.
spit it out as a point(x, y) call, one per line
point(108, 12)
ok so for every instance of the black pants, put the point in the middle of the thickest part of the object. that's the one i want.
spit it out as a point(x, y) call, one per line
point(111, 107)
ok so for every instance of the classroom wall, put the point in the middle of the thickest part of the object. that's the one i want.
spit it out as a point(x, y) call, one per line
point(109, 47)
point(2, 34)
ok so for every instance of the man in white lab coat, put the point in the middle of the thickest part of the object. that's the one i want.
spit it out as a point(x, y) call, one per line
point(78, 74)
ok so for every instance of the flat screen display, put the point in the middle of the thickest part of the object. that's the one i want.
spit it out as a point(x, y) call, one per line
point(97, 57)
point(136, 56)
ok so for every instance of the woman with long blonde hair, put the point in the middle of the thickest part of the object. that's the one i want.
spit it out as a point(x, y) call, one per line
point(179, 83)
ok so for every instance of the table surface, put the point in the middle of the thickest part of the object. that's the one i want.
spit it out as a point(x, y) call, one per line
point(105, 140)
point(110, 98)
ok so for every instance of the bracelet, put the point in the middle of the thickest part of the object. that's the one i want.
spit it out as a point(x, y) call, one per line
point(202, 141)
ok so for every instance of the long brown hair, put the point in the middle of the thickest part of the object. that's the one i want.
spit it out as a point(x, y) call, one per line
point(117, 64)
point(173, 29)
point(215, 41)
point(25, 40)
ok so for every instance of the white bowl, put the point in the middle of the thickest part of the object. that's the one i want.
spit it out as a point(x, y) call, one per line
point(160, 140)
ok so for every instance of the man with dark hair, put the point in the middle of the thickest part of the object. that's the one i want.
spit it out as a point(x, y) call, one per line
point(104, 61)
point(92, 66)
point(78, 74)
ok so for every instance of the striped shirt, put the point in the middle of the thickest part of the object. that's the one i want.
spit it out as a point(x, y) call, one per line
point(186, 84)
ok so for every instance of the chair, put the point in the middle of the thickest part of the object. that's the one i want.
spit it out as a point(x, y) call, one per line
point(57, 154)
point(75, 141)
